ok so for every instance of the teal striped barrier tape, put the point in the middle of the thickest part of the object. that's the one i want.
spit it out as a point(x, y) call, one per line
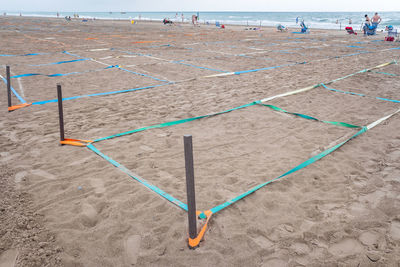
point(176, 122)
point(154, 188)
point(386, 73)
point(342, 124)
point(358, 94)
point(295, 169)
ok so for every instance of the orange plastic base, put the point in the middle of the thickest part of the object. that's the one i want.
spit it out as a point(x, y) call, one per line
point(12, 108)
point(75, 142)
point(194, 243)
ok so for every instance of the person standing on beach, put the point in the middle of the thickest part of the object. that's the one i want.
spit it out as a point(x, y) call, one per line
point(194, 20)
point(183, 18)
point(367, 20)
point(376, 19)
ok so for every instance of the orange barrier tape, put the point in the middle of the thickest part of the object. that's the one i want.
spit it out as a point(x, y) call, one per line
point(12, 108)
point(193, 243)
point(91, 38)
point(75, 142)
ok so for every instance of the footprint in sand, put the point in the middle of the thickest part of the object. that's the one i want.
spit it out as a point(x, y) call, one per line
point(395, 230)
point(8, 258)
point(80, 162)
point(146, 148)
point(132, 248)
point(89, 214)
point(275, 263)
point(20, 176)
point(394, 156)
point(43, 174)
point(346, 247)
point(369, 238)
point(300, 249)
point(98, 186)
point(13, 137)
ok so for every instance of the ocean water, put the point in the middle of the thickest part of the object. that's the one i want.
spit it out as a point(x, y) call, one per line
point(317, 20)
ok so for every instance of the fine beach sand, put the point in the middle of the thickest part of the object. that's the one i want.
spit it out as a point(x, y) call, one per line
point(66, 206)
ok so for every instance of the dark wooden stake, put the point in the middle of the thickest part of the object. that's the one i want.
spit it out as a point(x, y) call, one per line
point(190, 190)
point(8, 86)
point(60, 111)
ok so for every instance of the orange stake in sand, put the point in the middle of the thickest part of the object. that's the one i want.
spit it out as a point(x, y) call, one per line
point(195, 242)
point(75, 142)
point(12, 108)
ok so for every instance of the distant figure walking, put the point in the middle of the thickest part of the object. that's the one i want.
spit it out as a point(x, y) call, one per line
point(376, 19)
point(194, 20)
point(183, 18)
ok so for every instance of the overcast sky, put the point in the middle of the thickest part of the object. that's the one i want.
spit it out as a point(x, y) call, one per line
point(200, 5)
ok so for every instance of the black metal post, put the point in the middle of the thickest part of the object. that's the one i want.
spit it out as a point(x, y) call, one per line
point(190, 190)
point(8, 86)
point(60, 112)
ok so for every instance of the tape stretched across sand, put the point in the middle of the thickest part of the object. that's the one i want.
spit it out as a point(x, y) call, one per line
point(230, 202)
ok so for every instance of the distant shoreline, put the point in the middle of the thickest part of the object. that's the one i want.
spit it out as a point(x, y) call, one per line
point(156, 21)
point(314, 20)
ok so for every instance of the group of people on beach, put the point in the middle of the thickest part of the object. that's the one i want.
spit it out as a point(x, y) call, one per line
point(375, 19)
point(195, 19)
point(371, 24)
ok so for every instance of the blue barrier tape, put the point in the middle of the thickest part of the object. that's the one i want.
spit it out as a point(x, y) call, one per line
point(74, 55)
point(357, 46)
point(141, 74)
point(154, 188)
point(352, 93)
point(130, 53)
point(31, 54)
point(99, 94)
point(354, 54)
point(194, 66)
point(267, 68)
point(389, 74)
point(60, 62)
point(61, 74)
point(295, 169)
point(15, 92)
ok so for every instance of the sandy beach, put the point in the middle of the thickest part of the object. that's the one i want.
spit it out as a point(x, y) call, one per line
point(68, 206)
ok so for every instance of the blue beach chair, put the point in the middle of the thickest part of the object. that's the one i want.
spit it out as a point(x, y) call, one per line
point(370, 29)
point(304, 28)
